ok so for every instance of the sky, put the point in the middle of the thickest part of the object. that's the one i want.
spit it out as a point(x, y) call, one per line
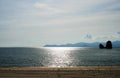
point(35, 23)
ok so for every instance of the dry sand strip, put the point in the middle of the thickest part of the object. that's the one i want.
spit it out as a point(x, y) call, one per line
point(68, 72)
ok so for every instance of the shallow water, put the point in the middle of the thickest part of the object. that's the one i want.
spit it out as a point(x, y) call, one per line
point(59, 57)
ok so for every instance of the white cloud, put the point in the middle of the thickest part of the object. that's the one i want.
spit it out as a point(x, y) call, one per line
point(112, 37)
point(88, 36)
point(63, 6)
point(47, 9)
point(61, 13)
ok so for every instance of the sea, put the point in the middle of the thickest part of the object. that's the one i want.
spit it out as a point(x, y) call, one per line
point(58, 57)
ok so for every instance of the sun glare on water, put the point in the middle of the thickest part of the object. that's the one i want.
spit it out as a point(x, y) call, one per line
point(61, 56)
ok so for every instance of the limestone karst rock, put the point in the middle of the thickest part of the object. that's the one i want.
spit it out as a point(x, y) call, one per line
point(101, 46)
point(108, 45)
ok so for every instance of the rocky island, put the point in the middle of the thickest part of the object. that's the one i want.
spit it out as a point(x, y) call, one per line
point(108, 45)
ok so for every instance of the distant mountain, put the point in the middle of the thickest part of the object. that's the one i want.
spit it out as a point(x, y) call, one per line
point(116, 44)
point(84, 44)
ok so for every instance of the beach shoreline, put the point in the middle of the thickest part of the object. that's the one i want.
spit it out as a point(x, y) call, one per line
point(61, 72)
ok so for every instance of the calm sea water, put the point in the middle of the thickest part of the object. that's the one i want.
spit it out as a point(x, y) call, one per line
point(58, 57)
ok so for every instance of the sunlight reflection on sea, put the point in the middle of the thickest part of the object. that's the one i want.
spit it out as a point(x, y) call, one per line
point(58, 57)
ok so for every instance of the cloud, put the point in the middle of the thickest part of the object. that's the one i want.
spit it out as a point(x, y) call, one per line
point(44, 8)
point(112, 37)
point(88, 36)
point(71, 12)
point(48, 7)
point(118, 32)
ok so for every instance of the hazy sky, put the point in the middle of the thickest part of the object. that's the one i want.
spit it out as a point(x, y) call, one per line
point(39, 22)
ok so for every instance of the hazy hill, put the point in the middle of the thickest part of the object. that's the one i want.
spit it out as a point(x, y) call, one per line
point(83, 44)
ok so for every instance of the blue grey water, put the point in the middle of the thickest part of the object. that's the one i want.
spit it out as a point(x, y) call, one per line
point(58, 57)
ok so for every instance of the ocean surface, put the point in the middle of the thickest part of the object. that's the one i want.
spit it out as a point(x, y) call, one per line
point(58, 57)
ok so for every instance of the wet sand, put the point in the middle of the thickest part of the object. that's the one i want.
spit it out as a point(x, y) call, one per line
point(67, 72)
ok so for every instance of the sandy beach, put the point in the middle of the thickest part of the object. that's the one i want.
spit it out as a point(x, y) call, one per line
point(67, 72)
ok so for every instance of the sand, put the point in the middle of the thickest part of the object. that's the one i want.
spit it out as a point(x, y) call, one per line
point(67, 72)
